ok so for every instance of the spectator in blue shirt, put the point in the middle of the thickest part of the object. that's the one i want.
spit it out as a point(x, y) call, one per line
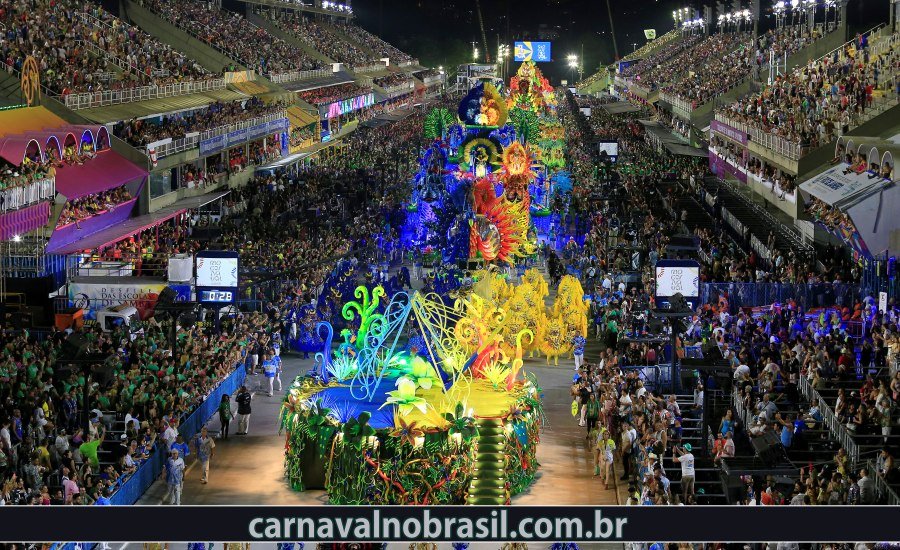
point(183, 448)
point(103, 498)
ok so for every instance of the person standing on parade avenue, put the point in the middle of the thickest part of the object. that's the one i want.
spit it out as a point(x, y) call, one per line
point(174, 478)
point(278, 368)
point(205, 447)
point(578, 343)
point(225, 415)
point(243, 400)
point(270, 369)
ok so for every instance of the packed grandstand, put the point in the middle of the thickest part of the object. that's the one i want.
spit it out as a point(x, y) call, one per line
point(333, 173)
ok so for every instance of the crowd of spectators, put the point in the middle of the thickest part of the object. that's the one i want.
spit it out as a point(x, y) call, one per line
point(17, 187)
point(731, 62)
point(46, 456)
point(391, 80)
point(825, 98)
point(769, 351)
point(140, 132)
point(376, 45)
point(141, 52)
point(330, 94)
point(714, 66)
point(644, 71)
point(233, 34)
point(82, 208)
point(57, 34)
point(324, 42)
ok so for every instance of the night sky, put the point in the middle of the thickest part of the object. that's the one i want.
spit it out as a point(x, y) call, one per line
point(441, 32)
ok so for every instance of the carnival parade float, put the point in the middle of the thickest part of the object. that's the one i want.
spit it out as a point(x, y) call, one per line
point(424, 398)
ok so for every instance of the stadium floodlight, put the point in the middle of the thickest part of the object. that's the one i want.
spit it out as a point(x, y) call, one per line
point(779, 7)
point(795, 4)
point(746, 13)
point(17, 238)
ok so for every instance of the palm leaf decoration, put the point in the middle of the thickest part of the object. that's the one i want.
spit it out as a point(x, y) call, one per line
point(320, 427)
point(526, 123)
point(461, 424)
point(438, 122)
point(357, 429)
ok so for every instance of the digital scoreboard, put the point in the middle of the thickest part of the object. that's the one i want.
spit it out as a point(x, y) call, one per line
point(217, 277)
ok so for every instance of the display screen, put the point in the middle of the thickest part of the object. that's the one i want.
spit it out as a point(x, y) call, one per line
point(532, 51)
point(217, 271)
point(611, 148)
point(217, 296)
point(671, 280)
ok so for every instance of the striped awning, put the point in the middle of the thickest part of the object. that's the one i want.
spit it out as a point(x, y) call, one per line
point(300, 118)
point(24, 220)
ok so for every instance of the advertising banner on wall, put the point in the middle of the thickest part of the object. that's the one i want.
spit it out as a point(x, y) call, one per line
point(722, 168)
point(215, 144)
point(96, 293)
point(731, 133)
point(338, 108)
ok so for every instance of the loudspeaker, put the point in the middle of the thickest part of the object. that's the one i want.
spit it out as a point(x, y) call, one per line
point(166, 297)
point(74, 346)
point(187, 320)
point(677, 304)
point(711, 351)
point(768, 447)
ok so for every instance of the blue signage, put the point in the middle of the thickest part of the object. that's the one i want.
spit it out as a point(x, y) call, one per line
point(532, 51)
point(215, 144)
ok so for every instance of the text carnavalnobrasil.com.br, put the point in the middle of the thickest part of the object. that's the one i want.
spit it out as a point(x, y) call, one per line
point(381, 525)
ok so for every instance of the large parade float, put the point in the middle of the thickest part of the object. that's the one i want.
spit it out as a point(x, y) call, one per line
point(424, 399)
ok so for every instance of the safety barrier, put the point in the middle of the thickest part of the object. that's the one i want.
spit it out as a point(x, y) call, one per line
point(885, 494)
point(135, 486)
point(28, 194)
point(807, 295)
point(409, 63)
point(105, 98)
point(291, 76)
point(193, 141)
point(372, 68)
point(837, 429)
point(400, 89)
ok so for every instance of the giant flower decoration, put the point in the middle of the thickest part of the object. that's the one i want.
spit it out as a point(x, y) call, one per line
point(405, 398)
point(407, 432)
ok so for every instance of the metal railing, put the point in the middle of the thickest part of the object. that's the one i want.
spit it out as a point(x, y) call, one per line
point(831, 421)
point(103, 54)
point(371, 68)
point(409, 63)
point(21, 196)
point(399, 89)
point(292, 76)
point(685, 105)
point(793, 149)
point(103, 98)
point(808, 295)
point(97, 23)
point(882, 489)
point(190, 142)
